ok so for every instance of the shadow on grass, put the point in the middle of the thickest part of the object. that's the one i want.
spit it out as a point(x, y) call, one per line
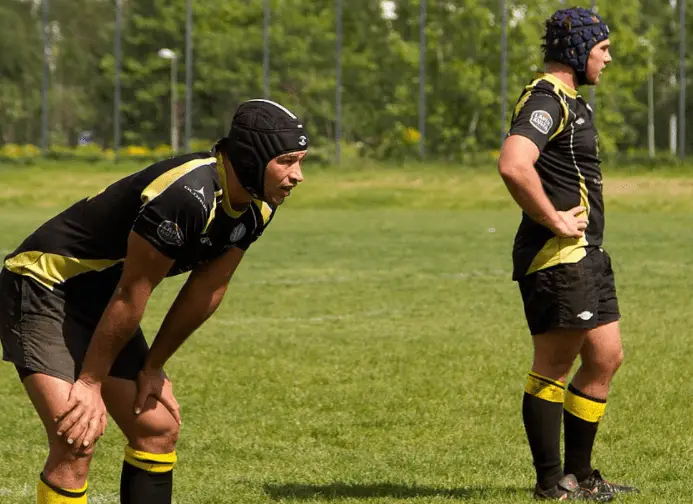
point(339, 490)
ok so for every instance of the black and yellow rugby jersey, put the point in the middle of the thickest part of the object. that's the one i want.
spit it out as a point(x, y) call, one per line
point(560, 122)
point(179, 205)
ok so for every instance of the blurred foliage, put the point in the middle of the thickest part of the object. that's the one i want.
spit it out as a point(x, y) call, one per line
point(380, 67)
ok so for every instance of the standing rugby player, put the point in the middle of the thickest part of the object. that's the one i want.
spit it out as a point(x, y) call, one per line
point(550, 164)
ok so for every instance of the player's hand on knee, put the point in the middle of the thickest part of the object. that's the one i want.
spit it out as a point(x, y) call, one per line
point(155, 383)
point(82, 421)
point(91, 432)
point(572, 224)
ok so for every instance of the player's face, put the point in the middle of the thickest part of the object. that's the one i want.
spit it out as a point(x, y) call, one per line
point(597, 61)
point(283, 173)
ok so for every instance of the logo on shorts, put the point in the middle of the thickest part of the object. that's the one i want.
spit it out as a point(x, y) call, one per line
point(170, 233)
point(586, 315)
point(237, 233)
point(541, 121)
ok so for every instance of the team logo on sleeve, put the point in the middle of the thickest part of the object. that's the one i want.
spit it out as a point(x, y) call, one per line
point(237, 233)
point(542, 121)
point(170, 233)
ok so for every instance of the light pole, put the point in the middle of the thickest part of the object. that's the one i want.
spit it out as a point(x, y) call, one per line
point(422, 79)
point(171, 55)
point(116, 86)
point(44, 81)
point(504, 67)
point(266, 50)
point(338, 98)
point(188, 75)
point(682, 80)
point(647, 45)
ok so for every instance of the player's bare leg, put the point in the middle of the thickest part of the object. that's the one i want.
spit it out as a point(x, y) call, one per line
point(150, 456)
point(602, 355)
point(542, 406)
point(64, 476)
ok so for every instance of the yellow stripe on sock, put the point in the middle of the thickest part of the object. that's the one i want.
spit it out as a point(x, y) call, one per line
point(47, 495)
point(545, 388)
point(150, 462)
point(581, 407)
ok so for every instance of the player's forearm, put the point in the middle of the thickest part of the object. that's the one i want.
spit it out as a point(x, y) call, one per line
point(189, 311)
point(117, 326)
point(525, 186)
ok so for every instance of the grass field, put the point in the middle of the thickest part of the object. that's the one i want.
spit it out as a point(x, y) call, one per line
point(372, 348)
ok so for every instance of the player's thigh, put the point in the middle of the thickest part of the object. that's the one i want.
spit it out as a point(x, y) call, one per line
point(154, 430)
point(603, 349)
point(49, 395)
point(557, 349)
point(561, 306)
point(67, 465)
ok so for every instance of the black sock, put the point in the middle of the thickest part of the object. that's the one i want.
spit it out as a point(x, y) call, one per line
point(542, 406)
point(147, 478)
point(581, 419)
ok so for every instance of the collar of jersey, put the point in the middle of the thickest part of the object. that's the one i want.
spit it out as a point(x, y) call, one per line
point(225, 203)
point(558, 83)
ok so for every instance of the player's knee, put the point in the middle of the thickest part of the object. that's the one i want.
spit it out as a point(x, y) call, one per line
point(555, 367)
point(617, 360)
point(60, 448)
point(66, 459)
point(605, 364)
point(157, 434)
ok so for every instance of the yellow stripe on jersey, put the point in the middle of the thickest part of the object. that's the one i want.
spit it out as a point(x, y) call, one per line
point(51, 269)
point(559, 87)
point(225, 202)
point(564, 119)
point(265, 210)
point(212, 214)
point(584, 195)
point(163, 181)
point(523, 100)
point(559, 251)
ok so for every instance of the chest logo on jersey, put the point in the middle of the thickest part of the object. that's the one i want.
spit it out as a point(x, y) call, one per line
point(541, 121)
point(170, 233)
point(237, 233)
point(198, 194)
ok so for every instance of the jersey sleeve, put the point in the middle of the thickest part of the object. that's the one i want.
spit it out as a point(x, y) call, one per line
point(538, 118)
point(263, 215)
point(173, 219)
